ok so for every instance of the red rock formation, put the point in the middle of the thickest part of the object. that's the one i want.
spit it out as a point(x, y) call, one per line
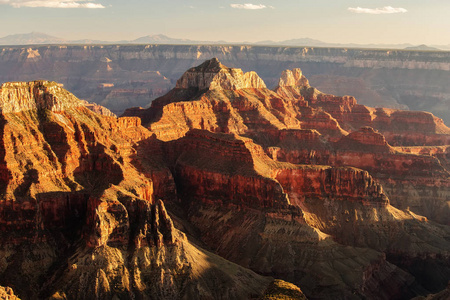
point(399, 127)
point(399, 172)
point(219, 99)
point(213, 75)
point(346, 203)
point(238, 175)
point(320, 200)
point(81, 214)
point(346, 184)
point(79, 219)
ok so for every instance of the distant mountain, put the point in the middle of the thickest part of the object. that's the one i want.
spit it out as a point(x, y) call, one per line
point(422, 48)
point(160, 39)
point(296, 42)
point(308, 42)
point(164, 39)
point(30, 39)
point(89, 41)
point(34, 38)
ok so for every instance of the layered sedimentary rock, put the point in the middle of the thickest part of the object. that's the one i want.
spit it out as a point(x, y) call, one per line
point(321, 203)
point(419, 182)
point(80, 221)
point(98, 109)
point(122, 76)
point(346, 204)
point(277, 183)
point(399, 127)
point(274, 120)
point(213, 75)
point(247, 215)
point(226, 101)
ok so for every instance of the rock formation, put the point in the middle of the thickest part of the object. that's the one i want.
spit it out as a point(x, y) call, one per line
point(80, 221)
point(123, 76)
point(7, 294)
point(302, 137)
point(290, 184)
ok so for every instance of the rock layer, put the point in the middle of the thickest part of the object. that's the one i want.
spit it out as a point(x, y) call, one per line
point(122, 76)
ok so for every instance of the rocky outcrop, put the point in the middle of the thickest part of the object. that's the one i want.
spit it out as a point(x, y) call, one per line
point(412, 128)
point(213, 75)
point(293, 78)
point(20, 96)
point(338, 183)
point(228, 107)
point(240, 171)
point(399, 127)
point(7, 294)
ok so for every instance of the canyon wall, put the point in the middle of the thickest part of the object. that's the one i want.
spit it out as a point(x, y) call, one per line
point(279, 183)
point(79, 220)
point(122, 76)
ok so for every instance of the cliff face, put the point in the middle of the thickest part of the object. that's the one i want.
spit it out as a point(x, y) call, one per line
point(399, 127)
point(79, 220)
point(38, 95)
point(122, 76)
point(320, 203)
point(360, 200)
point(419, 182)
point(219, 99)
point(274, 118)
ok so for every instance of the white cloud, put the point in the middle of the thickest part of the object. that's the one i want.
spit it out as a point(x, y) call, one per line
point(52, 3)
point(378, 11)
point(248, 6)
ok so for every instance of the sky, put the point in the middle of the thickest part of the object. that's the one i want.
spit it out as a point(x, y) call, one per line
point(334, 21)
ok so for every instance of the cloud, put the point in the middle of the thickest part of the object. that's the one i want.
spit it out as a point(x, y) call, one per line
point(249, 6)
point(52, 3)
point(378, 11)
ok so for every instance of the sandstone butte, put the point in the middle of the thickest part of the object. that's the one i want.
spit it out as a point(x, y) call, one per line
point(222, 189)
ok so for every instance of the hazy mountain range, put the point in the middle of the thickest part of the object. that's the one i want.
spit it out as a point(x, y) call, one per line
point(35, 38)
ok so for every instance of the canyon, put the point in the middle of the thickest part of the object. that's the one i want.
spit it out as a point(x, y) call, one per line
point(221, 189)
point(122, 76)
